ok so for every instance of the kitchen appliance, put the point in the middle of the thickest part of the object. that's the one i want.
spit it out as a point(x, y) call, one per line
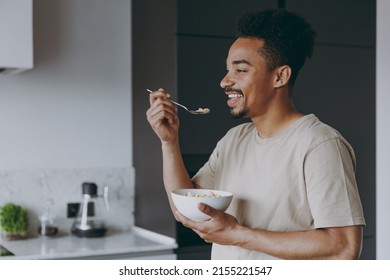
point(92, 212)
point(47, 227)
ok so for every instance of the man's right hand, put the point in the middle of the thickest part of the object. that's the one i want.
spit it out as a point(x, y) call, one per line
point(162, 116)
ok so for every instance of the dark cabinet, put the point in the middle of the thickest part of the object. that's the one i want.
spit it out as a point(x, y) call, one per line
point(347, 22)
point(214, 18)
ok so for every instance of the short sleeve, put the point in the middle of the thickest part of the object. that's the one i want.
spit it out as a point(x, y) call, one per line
point(331, 185)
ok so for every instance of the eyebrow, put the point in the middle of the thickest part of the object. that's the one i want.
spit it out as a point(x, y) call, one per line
point(242, 61)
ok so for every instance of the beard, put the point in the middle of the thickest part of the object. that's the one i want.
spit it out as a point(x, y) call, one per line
point(242, 113)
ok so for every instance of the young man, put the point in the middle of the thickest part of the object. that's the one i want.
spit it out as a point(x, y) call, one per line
point(293, 177)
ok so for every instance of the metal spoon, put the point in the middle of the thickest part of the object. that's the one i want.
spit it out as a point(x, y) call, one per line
point(200, 111)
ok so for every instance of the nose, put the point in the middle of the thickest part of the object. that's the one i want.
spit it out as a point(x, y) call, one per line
point(226, 81)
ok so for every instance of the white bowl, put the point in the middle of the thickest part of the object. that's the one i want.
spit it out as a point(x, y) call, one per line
point(186, 201)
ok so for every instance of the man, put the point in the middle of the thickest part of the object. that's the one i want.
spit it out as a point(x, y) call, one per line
point(293, 177)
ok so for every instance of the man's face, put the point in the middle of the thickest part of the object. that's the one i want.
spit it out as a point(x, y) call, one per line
point(248, 84)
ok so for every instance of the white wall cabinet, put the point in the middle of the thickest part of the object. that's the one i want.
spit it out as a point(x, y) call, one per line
point(16, 36)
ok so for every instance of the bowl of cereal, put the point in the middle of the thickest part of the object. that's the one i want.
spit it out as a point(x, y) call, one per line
point(187, 200)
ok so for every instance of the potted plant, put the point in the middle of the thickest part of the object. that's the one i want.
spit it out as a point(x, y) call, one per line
point(13, 221)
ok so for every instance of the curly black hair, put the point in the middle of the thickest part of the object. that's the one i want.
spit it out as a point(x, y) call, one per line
point(288, 38)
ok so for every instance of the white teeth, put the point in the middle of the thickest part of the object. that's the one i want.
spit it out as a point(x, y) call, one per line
point(234, 95)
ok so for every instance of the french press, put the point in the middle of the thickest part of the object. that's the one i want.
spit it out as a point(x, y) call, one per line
point(90, 218)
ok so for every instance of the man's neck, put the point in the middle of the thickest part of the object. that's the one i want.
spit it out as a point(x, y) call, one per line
point(276, 119)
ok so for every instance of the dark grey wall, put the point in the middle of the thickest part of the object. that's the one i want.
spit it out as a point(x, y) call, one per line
point(188, 56)
point(205, 33)
point(154, 56)
point(338, 85)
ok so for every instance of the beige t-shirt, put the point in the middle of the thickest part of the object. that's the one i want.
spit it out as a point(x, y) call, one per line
point(301, 179)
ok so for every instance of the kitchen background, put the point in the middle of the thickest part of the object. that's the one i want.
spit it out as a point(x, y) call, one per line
point(79, 114)
point(68, 120)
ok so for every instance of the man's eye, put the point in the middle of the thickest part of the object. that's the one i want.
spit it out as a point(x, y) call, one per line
point(241, 70)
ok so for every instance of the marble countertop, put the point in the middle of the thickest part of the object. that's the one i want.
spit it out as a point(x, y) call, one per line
point(137, 242)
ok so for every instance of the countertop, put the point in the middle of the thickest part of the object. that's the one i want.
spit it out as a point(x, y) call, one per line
point(137, 243)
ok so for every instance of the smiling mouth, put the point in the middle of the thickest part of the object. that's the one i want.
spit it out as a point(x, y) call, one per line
point(235, 95)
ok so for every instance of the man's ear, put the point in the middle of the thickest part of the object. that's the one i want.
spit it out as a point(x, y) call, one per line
point(282, 76)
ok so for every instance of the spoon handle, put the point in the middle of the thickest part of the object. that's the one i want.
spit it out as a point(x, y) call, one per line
point(178, 104)
point(200, 111)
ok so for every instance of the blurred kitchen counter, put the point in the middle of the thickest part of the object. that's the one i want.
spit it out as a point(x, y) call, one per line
point(138, 243)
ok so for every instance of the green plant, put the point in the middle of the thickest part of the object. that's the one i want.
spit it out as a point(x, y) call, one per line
point(13, 219)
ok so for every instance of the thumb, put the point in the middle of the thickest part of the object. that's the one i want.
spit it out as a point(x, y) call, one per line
point(208, 210)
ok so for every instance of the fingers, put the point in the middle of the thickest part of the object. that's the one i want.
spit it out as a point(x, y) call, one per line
point(194, 224)
point(184, 220)
point(153, 96)
point(217, 230)
point(197, 227)
point(161, 109)
point(159, 101)
point(162, 116)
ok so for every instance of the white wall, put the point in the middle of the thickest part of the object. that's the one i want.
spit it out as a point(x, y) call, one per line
point(73, 110)
point(383, 130)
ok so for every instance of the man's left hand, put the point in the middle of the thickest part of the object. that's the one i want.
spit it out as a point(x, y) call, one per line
point(221, 228)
